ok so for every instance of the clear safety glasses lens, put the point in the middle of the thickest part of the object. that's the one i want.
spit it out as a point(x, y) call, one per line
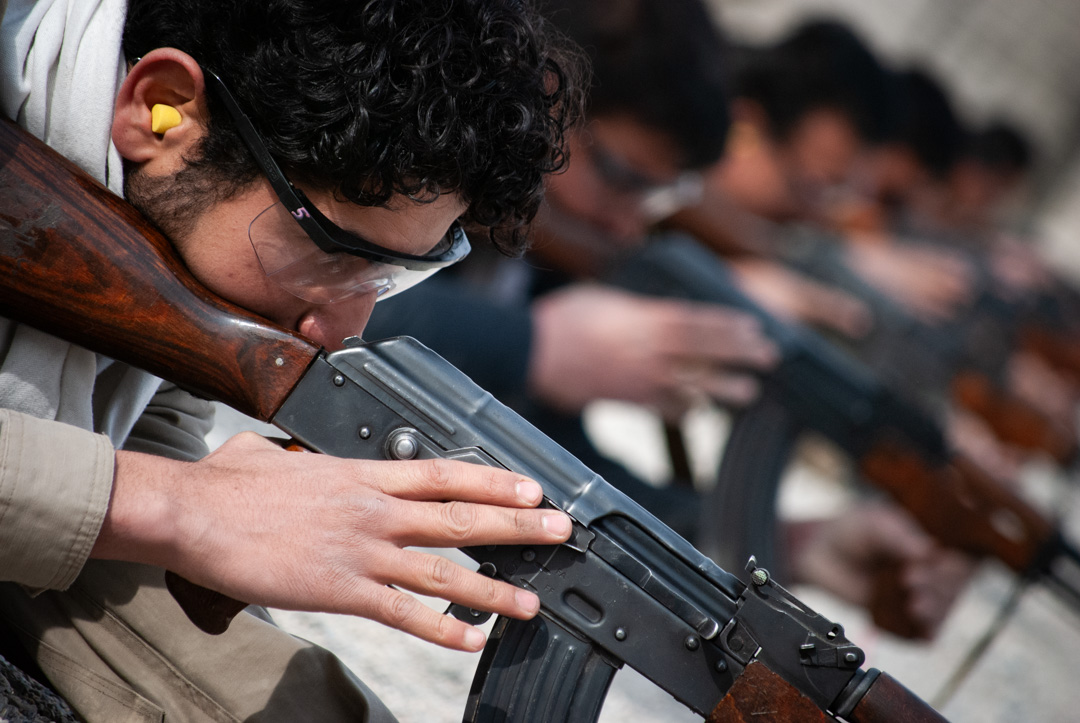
point(660, 202)
point(291, 260)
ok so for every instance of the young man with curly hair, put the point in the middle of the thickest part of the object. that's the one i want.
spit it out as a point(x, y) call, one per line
point(544, 336)
point(393, 122)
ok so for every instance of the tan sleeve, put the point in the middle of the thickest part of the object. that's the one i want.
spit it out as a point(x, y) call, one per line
point(55, 483)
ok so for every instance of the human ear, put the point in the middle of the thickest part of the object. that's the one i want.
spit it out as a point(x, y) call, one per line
point(174, 80)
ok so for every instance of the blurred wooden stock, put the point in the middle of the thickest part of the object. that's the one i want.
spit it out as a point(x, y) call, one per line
point(888, 604)
point(211, 611)
point(962, 506)
point(1014, 421)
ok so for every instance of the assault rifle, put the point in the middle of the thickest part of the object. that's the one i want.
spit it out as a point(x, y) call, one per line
point(625, 590)
point(897, 446)
point(964, 359)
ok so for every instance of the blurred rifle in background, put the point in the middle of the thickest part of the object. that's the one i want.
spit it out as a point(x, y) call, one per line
point(895, 444)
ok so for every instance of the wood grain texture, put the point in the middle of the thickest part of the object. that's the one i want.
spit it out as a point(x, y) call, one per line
point(82, 264)
point(760, 695)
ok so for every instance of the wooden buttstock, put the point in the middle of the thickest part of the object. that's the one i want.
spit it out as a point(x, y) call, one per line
point(80, 263)
point(962, 506)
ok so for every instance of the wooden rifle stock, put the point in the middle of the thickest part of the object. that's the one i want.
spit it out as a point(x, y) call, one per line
point(81, 263)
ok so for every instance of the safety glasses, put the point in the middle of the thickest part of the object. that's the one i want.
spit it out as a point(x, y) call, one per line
point(310, 256)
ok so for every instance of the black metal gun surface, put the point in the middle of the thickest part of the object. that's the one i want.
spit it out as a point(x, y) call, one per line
point(624, 590)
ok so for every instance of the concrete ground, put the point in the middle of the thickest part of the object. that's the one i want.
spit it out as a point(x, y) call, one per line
point(1028, 673)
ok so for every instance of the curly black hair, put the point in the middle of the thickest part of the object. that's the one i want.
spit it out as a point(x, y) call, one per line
point(660, 61)
point(380, 97)
point(822, 64)
point(1000, 146)
point(927, 122)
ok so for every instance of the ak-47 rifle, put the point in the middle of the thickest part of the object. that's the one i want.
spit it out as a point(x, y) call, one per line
point(964, 359)
point(898, 447)
point(81, 263)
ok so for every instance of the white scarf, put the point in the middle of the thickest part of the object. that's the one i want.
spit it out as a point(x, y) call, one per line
point(60, 68)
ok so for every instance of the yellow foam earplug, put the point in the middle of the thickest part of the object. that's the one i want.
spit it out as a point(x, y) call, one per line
point(163, 117)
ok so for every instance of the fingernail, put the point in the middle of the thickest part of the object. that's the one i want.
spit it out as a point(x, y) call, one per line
point(475, 638)
point(527, 601)
point(557, 524)
point(529, 492)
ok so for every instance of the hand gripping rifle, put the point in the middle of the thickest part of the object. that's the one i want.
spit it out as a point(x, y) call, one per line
point(624, 590)
point(897, 446)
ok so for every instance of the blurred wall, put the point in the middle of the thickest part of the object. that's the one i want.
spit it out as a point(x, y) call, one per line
point(1058, 225)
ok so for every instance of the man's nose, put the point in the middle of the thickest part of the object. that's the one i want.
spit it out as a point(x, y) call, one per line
point(330, 324)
